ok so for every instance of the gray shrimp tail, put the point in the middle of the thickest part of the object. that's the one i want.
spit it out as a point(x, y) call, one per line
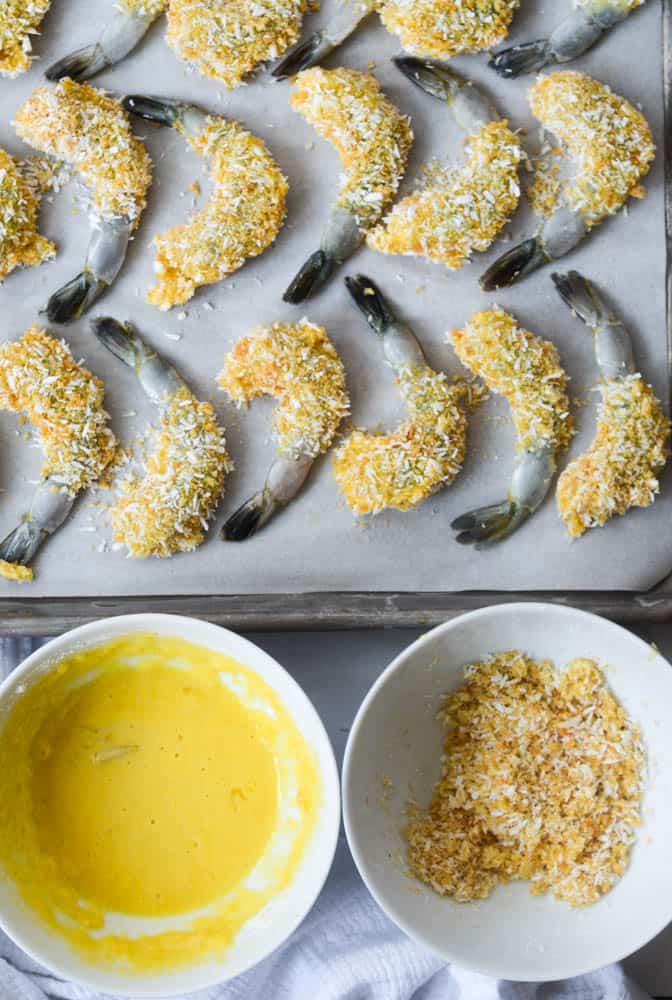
point(486, 526)
point(120, 339)
point(311, 277)
point(303, 54)
point(159, 110)
point(249, 518)
point(74, 299)
point(582, 298)
point(21, 544)
point(371, 302)
point(79, 65)
point(514, 265)
point(520, 59)
point(436, 80)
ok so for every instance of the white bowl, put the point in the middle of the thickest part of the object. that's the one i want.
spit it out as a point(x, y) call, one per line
point(395, 739)
point(272, 925)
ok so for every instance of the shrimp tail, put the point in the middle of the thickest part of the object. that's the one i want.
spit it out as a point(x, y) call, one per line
point(74, 298)
point(582, 298)
point(520, 59)
point(514, 265)
point(302, 55)
point(311, 277)
point(21, 544)
point(120, 339)
point(250, 517)
point(79, 65)
point(486, 526)
point(435, 79)
point(153, 109)
point(371, 303)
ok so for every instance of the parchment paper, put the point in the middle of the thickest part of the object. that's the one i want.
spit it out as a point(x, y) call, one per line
point(315, 544)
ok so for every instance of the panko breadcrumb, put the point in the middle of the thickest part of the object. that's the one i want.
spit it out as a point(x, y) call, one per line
point(20, 243)
point(90, 130)
point(401, 469)
point(19, 19)
point(166, 509)
point(371, 136)
point(523, 368)
point(15, 572)
point(144, 8)
point(445, 28)
point(242, 218)
point(620, 469)
point(298, 365)
point(609, 140)
point(542, 780)
point(228, 39)
point(64, 403)
point(457, 211)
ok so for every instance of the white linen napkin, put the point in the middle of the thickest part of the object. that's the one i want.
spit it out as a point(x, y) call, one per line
point(346, 949)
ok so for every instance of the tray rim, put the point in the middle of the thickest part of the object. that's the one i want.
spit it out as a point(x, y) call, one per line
point(327, 610)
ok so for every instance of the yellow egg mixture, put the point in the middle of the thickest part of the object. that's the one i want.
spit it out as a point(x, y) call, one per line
point(153, 778)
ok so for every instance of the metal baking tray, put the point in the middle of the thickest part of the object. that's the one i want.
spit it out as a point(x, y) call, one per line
point(318, 608)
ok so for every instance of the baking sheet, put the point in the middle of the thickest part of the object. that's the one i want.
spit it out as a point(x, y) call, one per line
point(315, 545)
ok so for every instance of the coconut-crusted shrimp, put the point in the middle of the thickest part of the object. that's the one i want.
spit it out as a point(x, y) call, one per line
point(425, 453)
point(457, 211)
point(373, 139)
point(64, 403)
point(20, 243)
point(525, 370)
point(19, 19)
point(579, 31)
point(621, 467)
point(228, 39)
point(298, 365)
point(90, 130)
point(611, 145)
point(128, 25)
point(245, 211)
point(431, 28)
point(167, 508)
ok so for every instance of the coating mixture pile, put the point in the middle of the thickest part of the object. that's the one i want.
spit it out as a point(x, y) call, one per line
point(542, 780)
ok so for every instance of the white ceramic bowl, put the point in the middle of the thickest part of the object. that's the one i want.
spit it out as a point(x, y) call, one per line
point(511, 935)
point(272, 925)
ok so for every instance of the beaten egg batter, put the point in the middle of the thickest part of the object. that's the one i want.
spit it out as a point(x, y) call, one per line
point(155, 779)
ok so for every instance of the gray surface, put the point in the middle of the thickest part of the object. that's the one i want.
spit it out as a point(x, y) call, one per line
point(315, 545)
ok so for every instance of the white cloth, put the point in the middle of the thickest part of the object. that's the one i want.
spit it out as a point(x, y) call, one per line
point(346, 949)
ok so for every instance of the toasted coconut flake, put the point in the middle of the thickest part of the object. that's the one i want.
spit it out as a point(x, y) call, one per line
point(20, 243)
point(19, 19)
point(15, 572)
point(542, 780)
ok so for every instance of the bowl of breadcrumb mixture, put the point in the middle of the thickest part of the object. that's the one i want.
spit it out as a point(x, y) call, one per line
point(507, 791)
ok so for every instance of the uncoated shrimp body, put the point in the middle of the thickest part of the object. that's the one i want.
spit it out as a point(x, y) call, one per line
point(20, 243)
point(19, 19)
point(228, 39)
point(298, 365)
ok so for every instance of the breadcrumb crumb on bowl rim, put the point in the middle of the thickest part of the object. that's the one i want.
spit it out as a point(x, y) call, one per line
point(272, 925)
point(393, 755)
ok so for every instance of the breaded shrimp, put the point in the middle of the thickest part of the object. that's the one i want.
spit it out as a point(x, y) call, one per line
point(20, 243)
point(19, 19)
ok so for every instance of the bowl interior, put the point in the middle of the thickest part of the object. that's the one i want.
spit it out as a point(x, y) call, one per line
point(273, 924)
point(394, 753)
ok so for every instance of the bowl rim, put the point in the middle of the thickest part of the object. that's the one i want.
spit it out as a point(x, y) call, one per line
point(559, 971)
point(318, 873)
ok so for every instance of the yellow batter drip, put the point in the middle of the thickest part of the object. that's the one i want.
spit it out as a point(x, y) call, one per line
point(151, 777)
